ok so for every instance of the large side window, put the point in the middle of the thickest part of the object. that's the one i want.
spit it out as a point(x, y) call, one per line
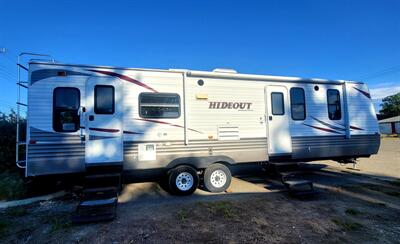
point(66, 102)
point(334, 110)
point(277, 103)
point(159, 105)
point(298, 103)
point(104, 102)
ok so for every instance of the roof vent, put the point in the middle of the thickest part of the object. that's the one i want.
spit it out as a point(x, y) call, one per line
point(230, 71)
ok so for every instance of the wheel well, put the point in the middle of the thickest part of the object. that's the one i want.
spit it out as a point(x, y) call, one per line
point(201, 162)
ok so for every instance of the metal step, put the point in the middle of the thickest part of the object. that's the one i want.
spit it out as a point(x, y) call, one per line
point(100, 193)
point(102, 180)
point(99, 203)
point(299, 187)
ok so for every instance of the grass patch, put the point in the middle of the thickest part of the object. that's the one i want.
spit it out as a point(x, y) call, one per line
point(4, 225)
point(182, 214)
point(11, 186)
point(352, 211)
point(383, 190)
point(347, 225)
point(60, 223)
point(226, 208)
point(393, 193)
point(395, 182)
point(16, 212)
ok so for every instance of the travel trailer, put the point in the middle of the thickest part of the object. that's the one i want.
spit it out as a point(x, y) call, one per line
point(185, 127)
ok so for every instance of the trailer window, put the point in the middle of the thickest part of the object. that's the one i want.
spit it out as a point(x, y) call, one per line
point(334, 110)
point(66, 102)
point(104, 99)
point(159, 105)
point(277, 103)
point(297, 103)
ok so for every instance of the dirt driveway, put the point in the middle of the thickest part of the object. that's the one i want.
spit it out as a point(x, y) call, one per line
point(349, 207)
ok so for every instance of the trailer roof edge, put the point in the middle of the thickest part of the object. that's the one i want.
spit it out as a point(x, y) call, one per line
point(210, 74)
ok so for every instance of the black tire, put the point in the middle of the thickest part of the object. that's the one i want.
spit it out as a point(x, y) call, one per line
point(176, 173)
point(209, 185)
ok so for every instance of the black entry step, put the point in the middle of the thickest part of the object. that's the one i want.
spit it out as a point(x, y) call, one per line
point(102, 180)
point(99, 200)
point(100, 193)
point(96, 210)
point(291, 176)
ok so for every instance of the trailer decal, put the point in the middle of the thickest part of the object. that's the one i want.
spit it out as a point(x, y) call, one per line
point(328, 125)
point(323, 129)
point(47, 73)
point(104, 130)
point(363, 92)
point(166, 123)
point(351, 126)
point(124, 77)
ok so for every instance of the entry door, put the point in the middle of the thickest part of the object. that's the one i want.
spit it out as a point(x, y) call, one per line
point(279, 140)
point(103, 116)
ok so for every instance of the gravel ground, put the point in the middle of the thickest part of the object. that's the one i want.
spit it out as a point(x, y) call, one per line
point(350, 206)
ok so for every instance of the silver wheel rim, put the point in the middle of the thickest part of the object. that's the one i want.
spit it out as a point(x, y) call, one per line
point(184, 181)
point(218, 178)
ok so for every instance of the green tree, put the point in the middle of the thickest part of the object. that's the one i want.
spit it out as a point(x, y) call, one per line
point(7, 140)
point(390, 106)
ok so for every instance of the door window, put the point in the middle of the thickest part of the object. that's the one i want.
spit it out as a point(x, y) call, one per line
point(104, 99)
point(334, 110)
point(66, 102)
point(297, 103)
point(277, 103)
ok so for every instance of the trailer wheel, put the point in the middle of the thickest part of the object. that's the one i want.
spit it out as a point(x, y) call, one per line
point(183, 180)
point(217, 178)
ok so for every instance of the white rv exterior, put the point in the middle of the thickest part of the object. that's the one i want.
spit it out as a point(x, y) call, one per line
point(153, 120)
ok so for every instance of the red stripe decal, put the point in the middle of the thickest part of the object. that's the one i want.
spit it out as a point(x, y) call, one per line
point(363, 92)
point(323, 129)
point(351, 126)
point(166, 123)
point(104, 130)
point(328, 125)
point(124, 77)
point(355, 128)
point(132, 132)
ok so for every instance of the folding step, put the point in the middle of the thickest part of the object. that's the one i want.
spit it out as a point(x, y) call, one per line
point(290, 174)
point(100, 193)
point(102, 180)
point(104, 169)
point(96, 210)
point(299, 187)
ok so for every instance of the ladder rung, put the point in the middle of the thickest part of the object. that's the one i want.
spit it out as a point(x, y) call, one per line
point(22, 85)
point(23, 104)
point(21, 143)
point(20, 65)
point(23, 82)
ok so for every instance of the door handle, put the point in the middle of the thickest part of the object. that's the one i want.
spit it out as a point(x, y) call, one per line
point(91, 117)
point(270, 117)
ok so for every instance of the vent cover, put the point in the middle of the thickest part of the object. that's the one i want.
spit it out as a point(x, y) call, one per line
point(229, 71)
point(228, 132)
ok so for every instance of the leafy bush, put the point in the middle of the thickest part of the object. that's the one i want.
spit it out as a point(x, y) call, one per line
point(8, 138)
point(11, 181)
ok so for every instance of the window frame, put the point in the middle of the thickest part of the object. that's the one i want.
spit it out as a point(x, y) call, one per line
point(283, 103)
point(96, 110)
point(328, 104)
point(54, 108)
point(304, 104)
point(160, 93)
